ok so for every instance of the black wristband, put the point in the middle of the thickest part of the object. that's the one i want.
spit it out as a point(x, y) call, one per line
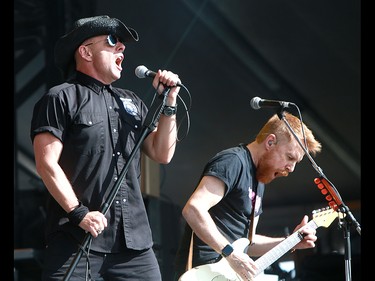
point(77, 215)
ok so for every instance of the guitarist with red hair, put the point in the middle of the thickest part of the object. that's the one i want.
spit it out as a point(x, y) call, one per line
point(227, 202)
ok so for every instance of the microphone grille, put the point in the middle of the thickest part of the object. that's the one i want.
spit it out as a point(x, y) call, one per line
point(140, 71)
point(255, 102)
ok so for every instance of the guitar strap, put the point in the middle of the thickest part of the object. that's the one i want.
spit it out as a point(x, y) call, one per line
point(251, 229)
point(189, 263)
point(252, 215)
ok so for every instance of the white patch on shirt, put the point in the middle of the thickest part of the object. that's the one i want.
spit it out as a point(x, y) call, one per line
point(252, 198)
point(129, 106)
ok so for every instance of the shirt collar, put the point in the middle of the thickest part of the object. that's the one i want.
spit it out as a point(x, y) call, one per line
point(91, 82)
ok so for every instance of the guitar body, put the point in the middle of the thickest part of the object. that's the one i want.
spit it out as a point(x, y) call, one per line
point(210, 272)
point(222, 271)
point(219, 271)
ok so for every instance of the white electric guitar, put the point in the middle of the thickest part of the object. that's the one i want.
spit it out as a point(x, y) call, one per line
point(222, 271)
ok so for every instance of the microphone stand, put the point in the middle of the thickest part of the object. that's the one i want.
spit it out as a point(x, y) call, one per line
point(334, 198)
point(111, 197)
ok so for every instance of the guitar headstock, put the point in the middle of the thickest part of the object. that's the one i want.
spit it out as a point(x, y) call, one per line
point(324, 217)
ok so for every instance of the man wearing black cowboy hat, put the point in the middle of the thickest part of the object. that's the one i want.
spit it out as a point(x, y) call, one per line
point(83, 132)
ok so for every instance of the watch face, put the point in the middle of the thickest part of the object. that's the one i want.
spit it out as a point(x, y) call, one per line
point(228, 249)
point(169, 111)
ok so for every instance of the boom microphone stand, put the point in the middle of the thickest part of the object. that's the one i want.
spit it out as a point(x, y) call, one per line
point(146, 130)
point(332, 196)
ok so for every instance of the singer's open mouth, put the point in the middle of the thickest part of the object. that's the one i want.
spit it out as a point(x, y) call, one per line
point(119, 60)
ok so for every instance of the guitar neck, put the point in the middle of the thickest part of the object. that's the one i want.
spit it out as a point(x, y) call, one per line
point(282, 248)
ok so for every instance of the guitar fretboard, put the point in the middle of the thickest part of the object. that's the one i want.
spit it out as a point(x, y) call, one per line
point(283, 247)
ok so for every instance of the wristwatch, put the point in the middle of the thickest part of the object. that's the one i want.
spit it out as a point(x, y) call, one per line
point(170, 110)
point(227, 250)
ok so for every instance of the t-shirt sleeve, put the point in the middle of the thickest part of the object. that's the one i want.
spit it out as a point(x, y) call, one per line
point(227, 167)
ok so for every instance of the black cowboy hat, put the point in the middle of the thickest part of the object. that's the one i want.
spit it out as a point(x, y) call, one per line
point(86, 28)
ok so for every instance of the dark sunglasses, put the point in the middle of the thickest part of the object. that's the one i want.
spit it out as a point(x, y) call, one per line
point(111, 40)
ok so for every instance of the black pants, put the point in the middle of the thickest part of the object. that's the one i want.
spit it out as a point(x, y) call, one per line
point(127, 266)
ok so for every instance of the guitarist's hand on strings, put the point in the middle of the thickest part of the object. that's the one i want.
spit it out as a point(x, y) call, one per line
point(308, 233)
point(242, 264)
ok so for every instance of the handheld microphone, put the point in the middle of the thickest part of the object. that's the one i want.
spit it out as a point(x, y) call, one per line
point(141, 72)
point(257, 102)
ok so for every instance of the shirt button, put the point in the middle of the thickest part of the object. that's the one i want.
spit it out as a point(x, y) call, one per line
point(114, 130)
point(90, 122)
point(110, 107)
point(118, 153)
point(117, 201)
point(136, 126)
point(124, 200)
point(115, 179)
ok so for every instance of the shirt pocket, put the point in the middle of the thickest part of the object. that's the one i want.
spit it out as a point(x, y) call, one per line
point(88, 133)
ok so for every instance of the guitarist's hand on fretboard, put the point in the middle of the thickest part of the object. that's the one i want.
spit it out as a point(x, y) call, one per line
point(307, 233)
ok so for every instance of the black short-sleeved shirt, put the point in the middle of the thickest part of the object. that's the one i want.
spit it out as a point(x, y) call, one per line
point(98, 125)
point(234, 166)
